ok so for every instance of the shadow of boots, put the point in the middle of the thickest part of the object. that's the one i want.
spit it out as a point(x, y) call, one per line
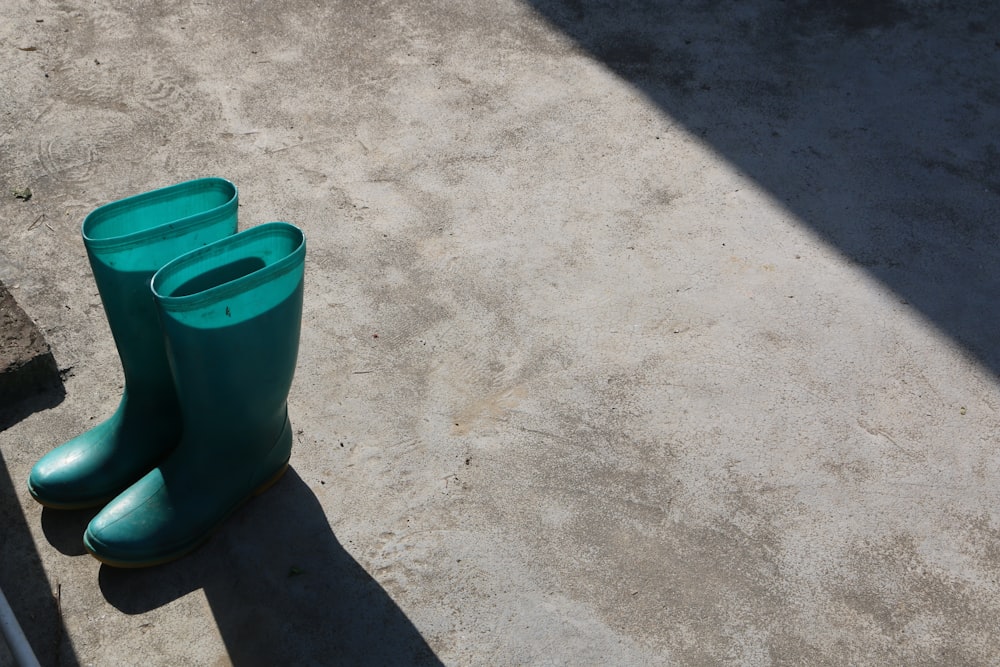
point(282, 589)
point(63, 529)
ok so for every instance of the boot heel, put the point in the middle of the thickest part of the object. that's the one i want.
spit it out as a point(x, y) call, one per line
point(272, 481)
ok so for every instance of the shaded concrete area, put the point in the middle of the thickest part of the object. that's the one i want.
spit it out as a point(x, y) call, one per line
point(842, 111)
point(25, 585)
point(29, 383)
point(634, 333)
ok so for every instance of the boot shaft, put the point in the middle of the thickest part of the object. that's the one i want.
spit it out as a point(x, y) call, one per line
point(231, 314)
point(128, 240)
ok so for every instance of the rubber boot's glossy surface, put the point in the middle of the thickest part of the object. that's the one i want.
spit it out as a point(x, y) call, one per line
point(127, 241)
point(231, 313)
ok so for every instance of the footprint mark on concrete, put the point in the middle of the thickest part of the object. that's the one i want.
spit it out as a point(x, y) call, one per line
point(67, 159)
point(165, 94)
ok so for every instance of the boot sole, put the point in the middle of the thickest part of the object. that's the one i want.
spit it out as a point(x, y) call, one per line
point(81, 505)
point(132, 565)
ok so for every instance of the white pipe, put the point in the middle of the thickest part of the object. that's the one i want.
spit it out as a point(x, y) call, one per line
point(16, 641)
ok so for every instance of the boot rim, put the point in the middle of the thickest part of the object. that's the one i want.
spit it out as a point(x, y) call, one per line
point(160, 283)
point(177, 225)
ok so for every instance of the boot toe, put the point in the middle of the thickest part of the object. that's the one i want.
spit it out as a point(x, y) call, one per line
point(143, 527)
point(72, 477)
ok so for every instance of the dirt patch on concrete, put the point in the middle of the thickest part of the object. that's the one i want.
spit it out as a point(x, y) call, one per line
point(27, 366)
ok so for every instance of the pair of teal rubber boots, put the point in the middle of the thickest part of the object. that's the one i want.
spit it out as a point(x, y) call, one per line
point(207, 324)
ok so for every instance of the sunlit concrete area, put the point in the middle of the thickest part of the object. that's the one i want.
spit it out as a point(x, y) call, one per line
point(652, 333)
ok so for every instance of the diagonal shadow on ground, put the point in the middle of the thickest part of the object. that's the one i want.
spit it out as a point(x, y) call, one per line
point(22, 577)
point(282, 590)
point(875, 123)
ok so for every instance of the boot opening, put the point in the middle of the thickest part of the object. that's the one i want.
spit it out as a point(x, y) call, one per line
point(219, 276)
point(153, 209)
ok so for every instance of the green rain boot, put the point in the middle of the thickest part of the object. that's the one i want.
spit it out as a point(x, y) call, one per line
point(231, 314)
point(127, 241)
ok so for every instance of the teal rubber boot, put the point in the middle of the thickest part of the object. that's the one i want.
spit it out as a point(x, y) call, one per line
point(127, 241)
point(231, 313)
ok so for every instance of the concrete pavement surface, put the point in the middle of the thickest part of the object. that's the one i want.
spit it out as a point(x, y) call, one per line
point(635, 333)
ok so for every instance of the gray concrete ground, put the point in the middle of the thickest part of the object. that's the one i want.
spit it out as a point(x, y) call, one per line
point(635, 333)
